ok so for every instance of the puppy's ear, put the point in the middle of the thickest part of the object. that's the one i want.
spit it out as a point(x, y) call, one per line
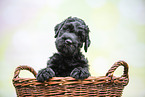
point(59, 26)
point(87, 43)
point(87, 39)
point(56, 29)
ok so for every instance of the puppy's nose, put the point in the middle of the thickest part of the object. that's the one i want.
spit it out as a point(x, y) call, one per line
point(68, 41)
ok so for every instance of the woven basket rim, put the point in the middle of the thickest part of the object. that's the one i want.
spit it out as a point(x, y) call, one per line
point(71, 81)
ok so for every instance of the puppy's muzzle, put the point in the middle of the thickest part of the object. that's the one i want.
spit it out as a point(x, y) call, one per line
point(68, 41)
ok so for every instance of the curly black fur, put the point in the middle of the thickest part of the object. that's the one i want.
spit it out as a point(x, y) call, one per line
point(69, 61)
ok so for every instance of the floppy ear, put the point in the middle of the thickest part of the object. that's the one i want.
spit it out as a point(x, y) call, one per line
point(87, 43)
point(57, 29)
point(59, 26)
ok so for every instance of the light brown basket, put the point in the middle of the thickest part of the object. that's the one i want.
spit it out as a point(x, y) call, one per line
point(103, 86)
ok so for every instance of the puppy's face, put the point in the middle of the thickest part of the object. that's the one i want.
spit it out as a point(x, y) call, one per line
point(70, 36)
point(68, 43)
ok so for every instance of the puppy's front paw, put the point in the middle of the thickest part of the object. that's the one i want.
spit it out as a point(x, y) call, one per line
point(45, 74)
point(80, 73)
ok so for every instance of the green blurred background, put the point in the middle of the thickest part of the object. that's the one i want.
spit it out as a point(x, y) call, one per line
point(117, 33)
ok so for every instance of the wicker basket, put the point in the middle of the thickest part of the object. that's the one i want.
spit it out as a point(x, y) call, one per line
point(104, 86)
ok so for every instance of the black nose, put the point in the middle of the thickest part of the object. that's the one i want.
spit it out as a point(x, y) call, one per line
point(68, 41)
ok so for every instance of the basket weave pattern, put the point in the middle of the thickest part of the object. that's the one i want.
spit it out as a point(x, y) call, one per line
point(103, 86)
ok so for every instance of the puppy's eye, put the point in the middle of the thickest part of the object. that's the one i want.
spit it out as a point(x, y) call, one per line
point(65, 28)
point(64, 38)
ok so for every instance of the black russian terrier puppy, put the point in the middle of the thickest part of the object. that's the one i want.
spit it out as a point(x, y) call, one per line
point(69, 61)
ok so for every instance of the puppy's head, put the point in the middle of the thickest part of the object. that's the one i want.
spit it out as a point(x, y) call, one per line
point(70, 36)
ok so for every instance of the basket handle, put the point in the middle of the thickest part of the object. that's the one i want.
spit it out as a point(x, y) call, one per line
point(115, 66)
point(17, 71)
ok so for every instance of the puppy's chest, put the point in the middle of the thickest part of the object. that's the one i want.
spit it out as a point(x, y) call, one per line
point(68, 63)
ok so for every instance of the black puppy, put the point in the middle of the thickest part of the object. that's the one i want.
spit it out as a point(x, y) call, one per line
point(69, 61)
